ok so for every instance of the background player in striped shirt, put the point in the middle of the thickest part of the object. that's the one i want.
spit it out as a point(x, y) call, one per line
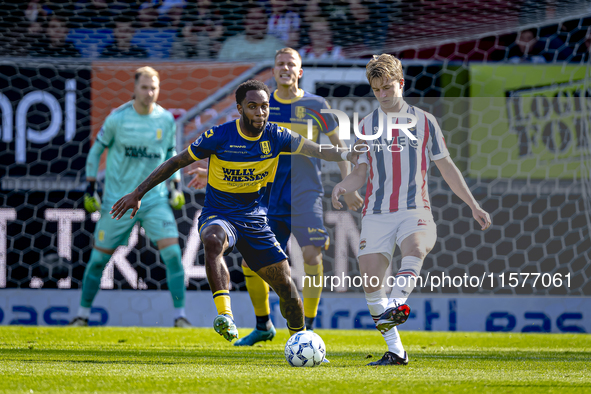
point(397, 209)
point(140, 135)
point(243, 159)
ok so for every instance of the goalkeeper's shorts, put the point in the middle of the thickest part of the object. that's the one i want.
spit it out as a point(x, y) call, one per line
point(158, 221)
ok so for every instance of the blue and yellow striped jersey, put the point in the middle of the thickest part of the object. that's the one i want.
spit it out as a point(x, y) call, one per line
point(298, 179)
point(241, 167)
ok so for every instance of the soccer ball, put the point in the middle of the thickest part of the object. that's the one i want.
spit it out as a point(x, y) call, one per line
point(305, 349)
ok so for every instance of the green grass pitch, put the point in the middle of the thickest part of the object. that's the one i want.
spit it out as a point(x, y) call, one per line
point(156, 360)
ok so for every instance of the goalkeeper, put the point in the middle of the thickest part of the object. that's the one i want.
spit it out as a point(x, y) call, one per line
point(140, 135)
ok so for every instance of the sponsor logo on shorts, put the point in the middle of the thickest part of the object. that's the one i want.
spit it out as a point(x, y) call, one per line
point(362, 244)
point(167, 223)
point(210, 217)
point(422, 222)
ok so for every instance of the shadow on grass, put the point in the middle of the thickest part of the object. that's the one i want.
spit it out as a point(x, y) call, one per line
point(262, 356)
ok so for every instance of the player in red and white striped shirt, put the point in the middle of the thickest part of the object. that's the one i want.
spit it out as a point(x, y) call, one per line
point(398, 167)
point(397, 209)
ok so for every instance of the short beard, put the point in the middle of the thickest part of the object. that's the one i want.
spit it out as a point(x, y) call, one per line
point(251, 129)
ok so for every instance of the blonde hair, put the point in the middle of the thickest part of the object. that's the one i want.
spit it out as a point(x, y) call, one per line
point(147, 71)
point(291, 51)
point(382, 66)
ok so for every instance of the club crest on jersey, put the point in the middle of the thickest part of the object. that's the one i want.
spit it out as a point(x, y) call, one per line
point(362, 244)
point(265, 147)
point(300, 112)
point(158, 134)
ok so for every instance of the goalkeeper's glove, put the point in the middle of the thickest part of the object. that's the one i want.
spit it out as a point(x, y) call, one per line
point(92, 200)
point(176, 198)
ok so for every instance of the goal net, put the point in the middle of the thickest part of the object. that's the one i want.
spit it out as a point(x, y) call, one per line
point(508, 84)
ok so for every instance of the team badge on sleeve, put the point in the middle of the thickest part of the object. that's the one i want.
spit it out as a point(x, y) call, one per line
point(199, 140)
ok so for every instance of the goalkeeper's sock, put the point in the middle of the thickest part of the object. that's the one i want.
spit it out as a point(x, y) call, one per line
point(83, 312)
point(258, 290)
point(312, 291)
point(92, 277)
point(175, 274)
point(179, 312)
point(222, 302)
point(405, 280)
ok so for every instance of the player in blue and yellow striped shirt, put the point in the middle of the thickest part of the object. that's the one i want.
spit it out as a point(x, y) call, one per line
point(243, 161)
point(296, 197)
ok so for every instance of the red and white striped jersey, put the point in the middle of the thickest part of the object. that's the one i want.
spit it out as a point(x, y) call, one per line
point(398, 168)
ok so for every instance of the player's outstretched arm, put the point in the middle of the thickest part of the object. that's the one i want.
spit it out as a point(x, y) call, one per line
point(456, 182)
point(160, 174)
point(200, 179)
point(353, 200)
point(352, 182)
point(323, 152)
